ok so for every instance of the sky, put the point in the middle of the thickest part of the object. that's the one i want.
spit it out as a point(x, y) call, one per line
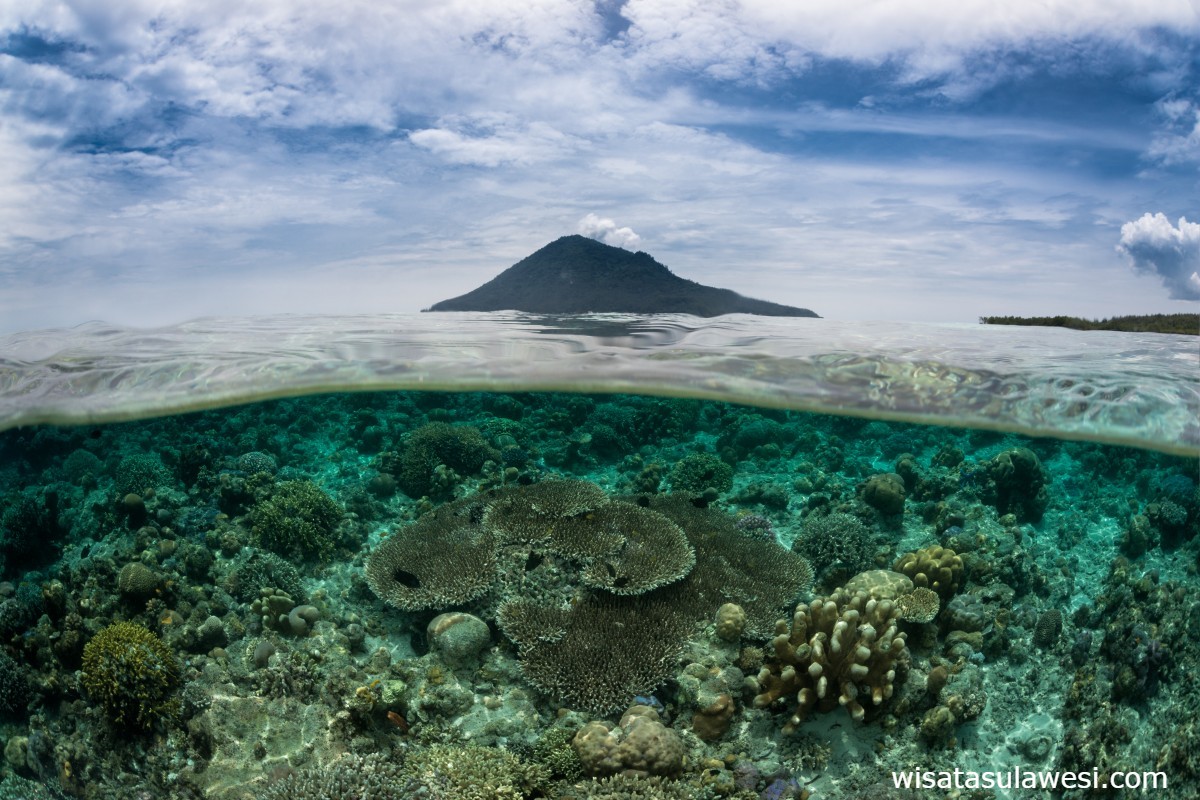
point(924, 160)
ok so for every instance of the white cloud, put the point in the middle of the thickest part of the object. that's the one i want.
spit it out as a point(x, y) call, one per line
point(755, 38)
point(1172, 253)
point(1180, 142)
point(492, 140)
point(605, 230)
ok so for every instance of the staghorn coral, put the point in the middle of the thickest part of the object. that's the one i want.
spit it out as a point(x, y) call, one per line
point(455, 772)
point(444, 558)
point(372, 777)
point(603, 651)
point(533, 513)
point(701, 474)
point(14, 687)
point(937, 568)
point(254, 570)
point(139, 472)
point(131, 674)
point(839, 650)
point(460, 448)
point(631, 787)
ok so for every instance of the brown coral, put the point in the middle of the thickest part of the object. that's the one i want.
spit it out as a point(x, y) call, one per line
point(759, 575)
point(936, 568)
point(445, 558)
point(1048, 629)
point(839, 650)
point(602, 652)
point(919, 605)
point(653, 553)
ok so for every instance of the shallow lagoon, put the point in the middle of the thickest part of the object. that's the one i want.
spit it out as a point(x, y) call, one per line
point(189, 608)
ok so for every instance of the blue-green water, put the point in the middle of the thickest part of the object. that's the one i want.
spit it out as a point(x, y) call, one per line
point(225, 573)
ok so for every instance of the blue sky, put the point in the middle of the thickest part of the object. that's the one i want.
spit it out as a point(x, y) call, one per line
point(921, 160)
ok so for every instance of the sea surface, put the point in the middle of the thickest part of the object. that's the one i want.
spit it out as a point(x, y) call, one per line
point(459, 556)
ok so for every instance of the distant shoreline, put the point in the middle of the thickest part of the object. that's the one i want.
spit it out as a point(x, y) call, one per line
point(1188, 324)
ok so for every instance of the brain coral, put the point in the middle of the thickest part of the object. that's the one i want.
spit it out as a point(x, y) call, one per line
point(839, 650)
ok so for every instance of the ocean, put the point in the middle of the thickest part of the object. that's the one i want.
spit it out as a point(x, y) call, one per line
point(509, 556)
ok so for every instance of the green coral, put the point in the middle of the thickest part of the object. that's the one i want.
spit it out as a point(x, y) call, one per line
point(553, 749)
point(701, 474)
point(139, 472)
point(461, 448)
point(131, 674)
point(296, 520)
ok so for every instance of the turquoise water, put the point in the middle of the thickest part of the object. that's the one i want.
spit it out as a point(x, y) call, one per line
point(225, 575)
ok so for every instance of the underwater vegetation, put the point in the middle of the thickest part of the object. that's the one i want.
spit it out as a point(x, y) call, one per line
point(533, 595)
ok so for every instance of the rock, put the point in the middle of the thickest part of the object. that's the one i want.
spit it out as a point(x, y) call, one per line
point(458, 638)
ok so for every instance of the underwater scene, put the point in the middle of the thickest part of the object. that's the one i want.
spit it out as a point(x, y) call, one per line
point(578, 595)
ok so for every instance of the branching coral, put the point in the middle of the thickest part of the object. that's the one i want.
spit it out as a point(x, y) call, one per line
point(839, 650)
point(296, 520)
point(131, 674)
point(372, 777)
point(462, 448)
point(653, 551)
point(534, 513)
point(839, 545)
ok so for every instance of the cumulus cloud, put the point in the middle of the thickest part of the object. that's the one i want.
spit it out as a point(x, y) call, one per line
point(1156, 246)
point(605, 230)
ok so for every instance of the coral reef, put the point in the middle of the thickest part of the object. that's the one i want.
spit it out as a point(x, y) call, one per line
point(701, 475)
point(838, 545)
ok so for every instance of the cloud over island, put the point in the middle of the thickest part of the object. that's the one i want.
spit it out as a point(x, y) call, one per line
point(169, 159)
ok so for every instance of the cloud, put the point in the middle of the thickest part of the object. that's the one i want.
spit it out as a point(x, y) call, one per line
point(605, 230)
point(1180, 142)
point(1157, 247)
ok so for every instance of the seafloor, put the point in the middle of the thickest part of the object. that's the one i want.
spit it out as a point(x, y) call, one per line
point(250, 603)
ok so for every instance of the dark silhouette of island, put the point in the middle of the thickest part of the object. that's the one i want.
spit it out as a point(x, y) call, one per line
point(577, 275)
point(1188, 324)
